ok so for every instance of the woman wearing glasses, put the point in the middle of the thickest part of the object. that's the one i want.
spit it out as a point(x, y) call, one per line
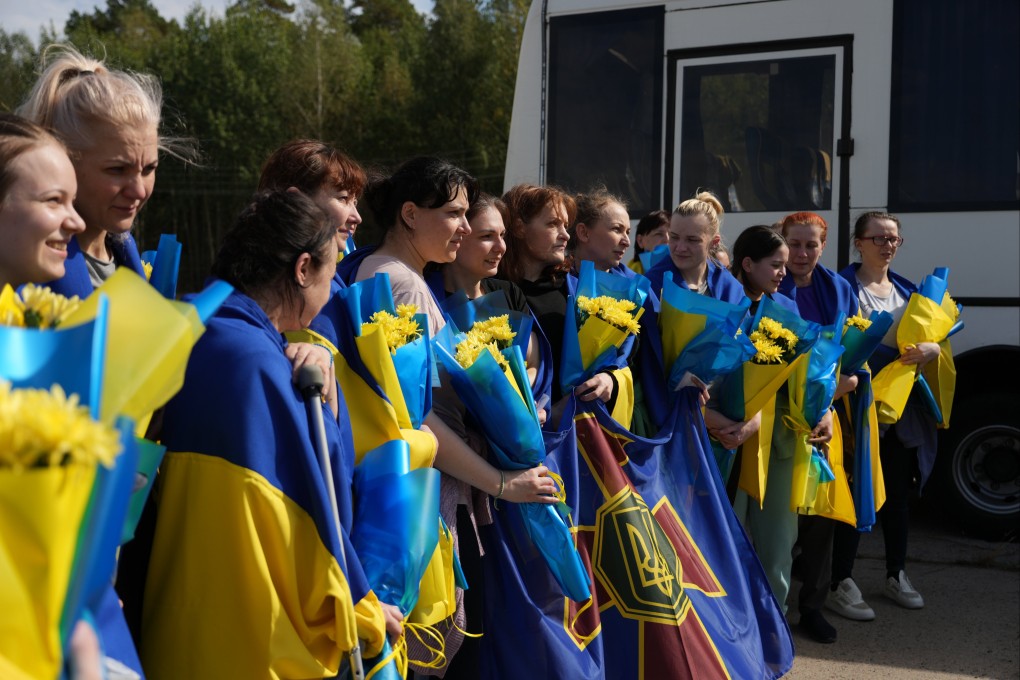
point(908, 447)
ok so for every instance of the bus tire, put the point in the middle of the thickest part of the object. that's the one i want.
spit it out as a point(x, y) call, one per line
point(980, 465)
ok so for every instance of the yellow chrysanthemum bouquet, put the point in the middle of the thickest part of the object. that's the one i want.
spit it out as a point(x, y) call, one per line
point(482, 349)
point(780, 338)
point(151, 338)
point(931, 315)
point(50, 453)
point(603, 316)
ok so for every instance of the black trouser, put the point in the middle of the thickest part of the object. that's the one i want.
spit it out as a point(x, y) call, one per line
point(899, 468)
point(814, 564)
point(467, 660)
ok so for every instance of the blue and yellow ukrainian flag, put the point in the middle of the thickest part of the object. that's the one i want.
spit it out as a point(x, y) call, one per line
point(246, 577)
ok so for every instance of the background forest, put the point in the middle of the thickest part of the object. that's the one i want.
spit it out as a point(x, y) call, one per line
point(373, 77)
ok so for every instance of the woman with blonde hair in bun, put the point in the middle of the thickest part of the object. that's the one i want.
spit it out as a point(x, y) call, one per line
point(110, 121)
point(693, 234)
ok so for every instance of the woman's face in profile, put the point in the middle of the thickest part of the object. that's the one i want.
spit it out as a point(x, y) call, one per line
point(439, 232)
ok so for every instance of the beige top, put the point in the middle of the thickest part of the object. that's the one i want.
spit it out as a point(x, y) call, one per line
point(409, 288)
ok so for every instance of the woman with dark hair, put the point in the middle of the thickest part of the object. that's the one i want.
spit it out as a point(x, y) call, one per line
point(760, 255)
point(244, 521)
point(652, 231)
point(908, 447)
point(423, 208)
point(323, 173)
point(821, 295)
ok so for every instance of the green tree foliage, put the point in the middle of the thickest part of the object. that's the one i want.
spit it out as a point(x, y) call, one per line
point(374, 77)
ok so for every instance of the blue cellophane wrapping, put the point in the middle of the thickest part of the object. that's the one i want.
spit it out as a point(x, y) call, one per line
point(509, 422)
point(592, 283)
point(412, 362)
point(392, 534)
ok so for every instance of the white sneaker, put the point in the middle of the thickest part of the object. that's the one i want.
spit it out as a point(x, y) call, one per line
point(902, 593)
point(846, 600)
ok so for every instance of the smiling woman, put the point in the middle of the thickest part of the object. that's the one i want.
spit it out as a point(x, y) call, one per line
point(110, 121)
point(37, 218)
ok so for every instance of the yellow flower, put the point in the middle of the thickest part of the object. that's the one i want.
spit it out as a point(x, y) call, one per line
point(768, 352)
point(47, 427)
point(148, 270)
point(491, 334)
point(775, 343)
point(859, 322)
point(398, 330)
point(37, 307)
point(12, 311)
point(611, 310)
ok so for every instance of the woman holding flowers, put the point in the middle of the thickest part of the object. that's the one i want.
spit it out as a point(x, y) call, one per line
point(37, 192)
point(535, 261)
point(37, 221)
point(242, 491)
point(821, 296)
point(423, 206)
point(759, 262)
point(907, 447)
point(110, 121)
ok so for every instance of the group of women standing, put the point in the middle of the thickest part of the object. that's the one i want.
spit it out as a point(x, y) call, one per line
point(247, 573)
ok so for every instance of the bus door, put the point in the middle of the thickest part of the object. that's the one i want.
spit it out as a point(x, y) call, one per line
point(766, 128)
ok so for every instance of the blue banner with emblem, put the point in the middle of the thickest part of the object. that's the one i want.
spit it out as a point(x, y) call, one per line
point(676, 588)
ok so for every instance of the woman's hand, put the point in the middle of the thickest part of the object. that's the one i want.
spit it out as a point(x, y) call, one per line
point(528, 486)
point(732, 436)
point(598, 387)
point(394, 621)
point(921, 353)
point(847, 384)
point(822, 434)
point(302, 353)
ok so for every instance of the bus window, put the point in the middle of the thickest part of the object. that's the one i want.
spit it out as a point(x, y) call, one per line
point(605, 101)
point(955, 106)
point(760, 133)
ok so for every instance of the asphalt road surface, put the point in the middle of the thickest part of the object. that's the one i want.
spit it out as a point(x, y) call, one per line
point(969, 627)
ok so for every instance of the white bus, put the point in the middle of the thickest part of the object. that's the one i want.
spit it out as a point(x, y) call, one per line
point(833, 106)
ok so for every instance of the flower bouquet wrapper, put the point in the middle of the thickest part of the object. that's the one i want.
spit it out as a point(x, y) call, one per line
point(151, 337)
point(650, 258)
point(166, 265)
point(395, 534)
point(869, 485)
point(150, 455)
point(753, 387)
point(595, 344)
point(925, 319)
point(60, 525)
point(860, 344)
point(500, 400)
point(811, 388)
point(404, 375)
point(699, 334)
point(396, 527)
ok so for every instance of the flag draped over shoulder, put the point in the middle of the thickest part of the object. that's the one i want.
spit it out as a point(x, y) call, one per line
point(677, 590)
point(246, 577)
